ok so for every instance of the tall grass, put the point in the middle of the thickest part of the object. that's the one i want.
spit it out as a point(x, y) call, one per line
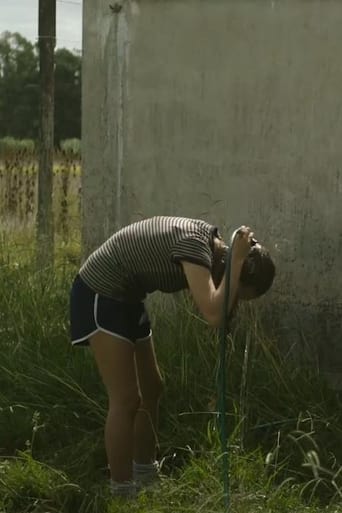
point(285, 425)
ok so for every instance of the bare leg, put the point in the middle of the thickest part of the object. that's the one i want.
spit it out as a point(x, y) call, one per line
point(146, 420)
point(115, 361)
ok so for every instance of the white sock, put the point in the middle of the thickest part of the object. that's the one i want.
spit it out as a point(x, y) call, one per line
point(145, 473)
point(126, 489)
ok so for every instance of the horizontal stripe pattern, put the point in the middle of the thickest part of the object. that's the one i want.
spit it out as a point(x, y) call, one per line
point(145, 256)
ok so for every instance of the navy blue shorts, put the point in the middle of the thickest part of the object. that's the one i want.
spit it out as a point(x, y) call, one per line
point(90, 312)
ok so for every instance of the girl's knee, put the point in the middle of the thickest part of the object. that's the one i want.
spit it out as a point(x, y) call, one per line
point(153, 393)
point(127, 402)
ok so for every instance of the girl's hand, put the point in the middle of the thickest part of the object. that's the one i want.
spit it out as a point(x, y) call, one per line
point(242, 243)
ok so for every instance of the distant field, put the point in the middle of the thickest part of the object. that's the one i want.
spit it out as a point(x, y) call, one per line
point(18, 190)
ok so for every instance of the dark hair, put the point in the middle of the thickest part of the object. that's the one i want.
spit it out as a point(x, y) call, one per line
point(258, 270)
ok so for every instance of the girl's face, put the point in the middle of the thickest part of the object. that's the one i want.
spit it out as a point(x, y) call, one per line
point(245, 292)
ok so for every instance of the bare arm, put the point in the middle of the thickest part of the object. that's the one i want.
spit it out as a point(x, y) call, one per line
point(208, 299)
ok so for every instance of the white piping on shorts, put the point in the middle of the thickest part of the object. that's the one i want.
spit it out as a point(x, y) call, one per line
point(144, 339)
point(79, 340)
point(99, 328)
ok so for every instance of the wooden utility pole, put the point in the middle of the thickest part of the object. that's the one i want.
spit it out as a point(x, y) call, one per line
point(47, 42)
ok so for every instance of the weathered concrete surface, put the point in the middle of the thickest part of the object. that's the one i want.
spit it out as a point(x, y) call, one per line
point(230, 111)
point(99, 124)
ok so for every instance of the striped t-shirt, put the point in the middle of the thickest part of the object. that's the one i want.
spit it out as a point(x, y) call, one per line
point(145, 256)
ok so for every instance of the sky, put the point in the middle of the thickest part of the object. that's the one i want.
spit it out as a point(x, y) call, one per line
point(22, 16)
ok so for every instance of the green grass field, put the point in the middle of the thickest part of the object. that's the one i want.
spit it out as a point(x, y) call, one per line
point(284, 423)
point(285, 431)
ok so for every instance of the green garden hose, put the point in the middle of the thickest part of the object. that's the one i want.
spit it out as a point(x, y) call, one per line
point(224, 330)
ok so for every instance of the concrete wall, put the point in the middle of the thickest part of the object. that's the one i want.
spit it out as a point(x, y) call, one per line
point(230, 111)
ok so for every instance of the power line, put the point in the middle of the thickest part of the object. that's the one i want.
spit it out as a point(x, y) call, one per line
point(69, 2)
point(72, 2)
point(77, 42)
point(59, 39)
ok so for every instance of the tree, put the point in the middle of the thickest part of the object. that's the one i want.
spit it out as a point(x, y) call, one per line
point(67, 95)
point(19, 90)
